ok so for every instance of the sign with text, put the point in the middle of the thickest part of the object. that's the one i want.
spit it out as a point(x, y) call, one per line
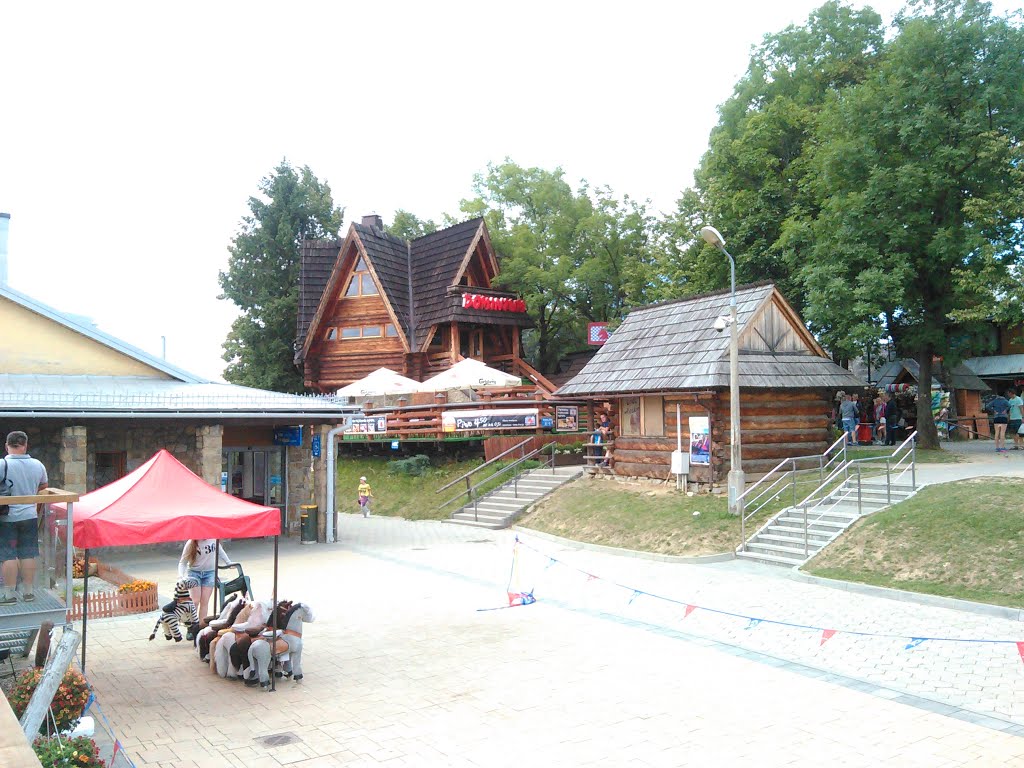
point(368, 425)
point(493, 303)
point(567, 418)
point(700, 440)
point(287, 435)
point(508, 418)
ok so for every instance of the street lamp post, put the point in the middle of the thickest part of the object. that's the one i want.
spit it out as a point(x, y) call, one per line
point(736, 483)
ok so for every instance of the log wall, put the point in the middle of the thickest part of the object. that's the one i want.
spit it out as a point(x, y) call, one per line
point(773, 425)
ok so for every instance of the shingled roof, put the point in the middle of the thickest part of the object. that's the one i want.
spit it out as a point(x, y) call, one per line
point(674, 346)
point(436, 259)
point(318, 257)
point(390, 259)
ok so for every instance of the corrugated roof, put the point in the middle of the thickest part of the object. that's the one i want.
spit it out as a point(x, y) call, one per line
point(94, 333)
point(997, 365)
point(138, 394)
point(674, 346)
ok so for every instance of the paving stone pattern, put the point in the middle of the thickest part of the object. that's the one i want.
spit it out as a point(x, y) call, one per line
point(404, 669)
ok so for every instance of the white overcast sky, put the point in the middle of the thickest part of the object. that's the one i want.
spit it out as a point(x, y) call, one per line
point(132, 134)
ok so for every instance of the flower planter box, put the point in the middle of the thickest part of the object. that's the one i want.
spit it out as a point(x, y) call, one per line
point(107, 604)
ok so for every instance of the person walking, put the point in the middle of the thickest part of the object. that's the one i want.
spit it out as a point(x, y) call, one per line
point(365, 494)
point(848, 413)
point(879, 419)
point(1014, 416)
point(199, 559)
point(999, 407)
point(21, 475)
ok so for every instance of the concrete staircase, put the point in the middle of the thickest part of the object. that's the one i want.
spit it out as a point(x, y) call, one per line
point(781, 540)
point(502, 506)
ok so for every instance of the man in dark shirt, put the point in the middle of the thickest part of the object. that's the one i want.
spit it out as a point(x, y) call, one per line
point(892, 412)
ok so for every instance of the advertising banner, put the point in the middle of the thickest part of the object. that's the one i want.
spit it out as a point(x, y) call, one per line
point(470, 421)
point(700, 440)
point(567, 418)
point(368, 425)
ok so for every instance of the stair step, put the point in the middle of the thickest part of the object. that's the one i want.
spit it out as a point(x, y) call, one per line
point(830, 525)
point(476, 523)
point(779, 549)
point(764, 557)
point(791, 537)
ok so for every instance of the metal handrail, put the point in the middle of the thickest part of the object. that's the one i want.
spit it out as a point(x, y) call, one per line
point(790, 476)
point(487, 463)
point(470, 490)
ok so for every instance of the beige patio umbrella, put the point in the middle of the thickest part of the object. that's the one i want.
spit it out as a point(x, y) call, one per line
point(383, 381)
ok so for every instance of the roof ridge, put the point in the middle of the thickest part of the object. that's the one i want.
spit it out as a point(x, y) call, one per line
point(450, 227)
point(708, 295)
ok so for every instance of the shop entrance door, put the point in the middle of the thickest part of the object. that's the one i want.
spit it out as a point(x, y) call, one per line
point(255, 474)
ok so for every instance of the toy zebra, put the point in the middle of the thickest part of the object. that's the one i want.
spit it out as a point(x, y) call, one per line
point(181, 611)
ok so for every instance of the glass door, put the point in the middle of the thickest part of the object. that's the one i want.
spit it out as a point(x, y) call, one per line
point(255, 474)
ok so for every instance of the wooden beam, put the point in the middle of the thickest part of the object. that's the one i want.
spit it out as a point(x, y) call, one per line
point(53, 675)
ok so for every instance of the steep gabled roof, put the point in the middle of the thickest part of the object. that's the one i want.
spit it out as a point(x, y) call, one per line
point(959, 377)
point(92, 332)
point(674, 346)
point(437, 259)
point(389, 259)
point(318, 258)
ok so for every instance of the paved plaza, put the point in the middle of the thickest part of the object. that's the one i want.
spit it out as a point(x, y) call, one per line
point(403, 668)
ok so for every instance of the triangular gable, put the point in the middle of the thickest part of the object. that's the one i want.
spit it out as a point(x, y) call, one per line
point(489, 261)
point(353, 251)
point(775, 328)
point(49, 342)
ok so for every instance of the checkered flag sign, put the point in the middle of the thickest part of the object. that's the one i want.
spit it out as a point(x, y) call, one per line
point(597, 333)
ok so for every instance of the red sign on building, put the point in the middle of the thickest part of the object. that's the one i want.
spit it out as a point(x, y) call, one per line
point(597, 333)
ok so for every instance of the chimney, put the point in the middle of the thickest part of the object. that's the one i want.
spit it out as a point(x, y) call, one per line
point(373, 220)
point(5, 226)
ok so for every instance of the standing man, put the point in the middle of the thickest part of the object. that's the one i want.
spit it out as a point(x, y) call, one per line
point(891, 413)
point(848, 413)
point(19, 528)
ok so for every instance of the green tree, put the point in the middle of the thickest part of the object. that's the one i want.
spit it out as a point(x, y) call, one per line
point(750, 180)
point(919, 171)
point(408, 226)
point(574, 256)
point(262, 278)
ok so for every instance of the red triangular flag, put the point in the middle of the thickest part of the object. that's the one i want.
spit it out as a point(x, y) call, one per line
point(1020, 650)
point(689, 609)
point(825, 635)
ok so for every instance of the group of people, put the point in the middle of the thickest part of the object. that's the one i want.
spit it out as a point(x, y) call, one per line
point(883, 413)
point(1006, 417)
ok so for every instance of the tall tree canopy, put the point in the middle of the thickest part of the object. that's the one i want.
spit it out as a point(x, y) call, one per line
point(574, 256)
point(409, 226)
point(263, 276)
point(750, 180)
point(918, 173)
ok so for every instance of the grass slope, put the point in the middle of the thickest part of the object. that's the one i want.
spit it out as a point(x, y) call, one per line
point(961, 539)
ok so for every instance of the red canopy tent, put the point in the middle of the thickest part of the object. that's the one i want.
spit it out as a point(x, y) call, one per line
point(164, 501)
point(161, 501)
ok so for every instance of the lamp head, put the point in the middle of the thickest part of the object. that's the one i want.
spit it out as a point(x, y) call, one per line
point(712, 237)
point(721, 323)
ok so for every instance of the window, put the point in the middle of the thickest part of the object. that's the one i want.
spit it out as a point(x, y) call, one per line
point(361, 283)
point(630, 416)
point(366, 332)
point(652, 416)
point(390, 331)
point(110, 466)
point(350, 333)
point(331, 335)
point(437, 340)
point(371, 331)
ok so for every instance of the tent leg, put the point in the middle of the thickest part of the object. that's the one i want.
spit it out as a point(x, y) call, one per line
point(216, 569)
point(85, 605)
point(273, 663)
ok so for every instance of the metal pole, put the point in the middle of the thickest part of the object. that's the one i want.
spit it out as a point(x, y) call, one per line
point(860, 509)
point(216, 575)
point(821, 469)
point(888, 482)
point(273, 641)
point(69, 562)
point(913, 464)
point(85, 606)
point(736, 481)
point(807, 550)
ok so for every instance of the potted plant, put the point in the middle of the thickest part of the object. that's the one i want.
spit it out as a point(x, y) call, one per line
point(66, 707)
point(81, 752)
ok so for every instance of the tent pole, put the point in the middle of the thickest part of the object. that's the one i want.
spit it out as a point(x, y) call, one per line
point(85, 606)
point(216, 567)
point(273, 648)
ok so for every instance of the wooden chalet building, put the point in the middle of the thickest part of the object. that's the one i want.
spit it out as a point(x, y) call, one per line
point(670, 354)
point(417, 306)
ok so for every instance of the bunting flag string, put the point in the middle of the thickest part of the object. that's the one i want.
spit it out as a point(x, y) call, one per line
point(516, 597)
point(105, 724)
point(754, 621)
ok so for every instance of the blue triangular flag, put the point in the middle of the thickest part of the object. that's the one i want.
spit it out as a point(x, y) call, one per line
point(914, 643)
point(753, 623)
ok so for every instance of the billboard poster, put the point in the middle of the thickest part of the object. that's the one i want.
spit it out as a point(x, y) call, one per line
point(700, 440)
point(368, 425)
point(470, 421)
point(567, 418)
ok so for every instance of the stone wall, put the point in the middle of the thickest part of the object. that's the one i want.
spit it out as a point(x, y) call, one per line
point(73, 455)
point(209, 444)
point(140, 440)
point(44, 443)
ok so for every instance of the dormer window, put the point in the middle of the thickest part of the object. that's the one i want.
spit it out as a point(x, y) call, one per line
point(361, 283)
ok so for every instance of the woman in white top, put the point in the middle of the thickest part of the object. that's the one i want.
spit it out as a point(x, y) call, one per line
point(199, 560)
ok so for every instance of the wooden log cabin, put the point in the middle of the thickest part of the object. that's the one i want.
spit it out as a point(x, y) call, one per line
point(417, 307)
point(669, 354)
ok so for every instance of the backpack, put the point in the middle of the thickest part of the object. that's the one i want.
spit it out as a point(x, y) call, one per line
point(5, 489)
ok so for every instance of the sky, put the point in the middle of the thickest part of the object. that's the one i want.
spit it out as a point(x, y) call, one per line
point(133, 134)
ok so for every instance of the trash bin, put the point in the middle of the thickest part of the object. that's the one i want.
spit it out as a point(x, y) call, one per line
point(309, 524)
point(864, 433)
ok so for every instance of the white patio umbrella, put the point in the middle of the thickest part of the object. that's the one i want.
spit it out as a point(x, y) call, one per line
point(469, 374)
point(383, 381)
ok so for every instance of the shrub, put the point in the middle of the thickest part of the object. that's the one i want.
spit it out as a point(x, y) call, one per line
point(415, 466)
point(67, 704)
point(80, 752)
point(136, 585)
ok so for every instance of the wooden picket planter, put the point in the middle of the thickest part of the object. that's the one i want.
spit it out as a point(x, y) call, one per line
point(106, 604)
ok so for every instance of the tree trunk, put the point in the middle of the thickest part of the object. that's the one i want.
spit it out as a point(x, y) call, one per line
point(927, 434)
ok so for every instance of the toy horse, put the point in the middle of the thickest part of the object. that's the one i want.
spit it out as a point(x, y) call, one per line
point(180, 611)
point(260, 652)
point(254, 623)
